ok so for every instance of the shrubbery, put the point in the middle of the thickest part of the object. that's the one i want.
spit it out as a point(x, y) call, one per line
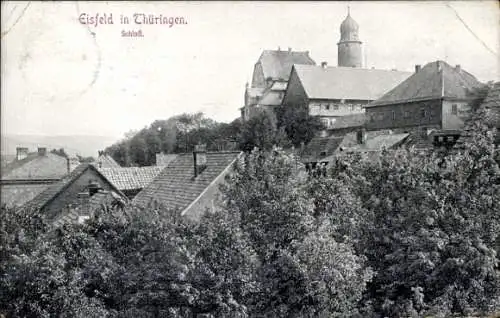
point(403, 234)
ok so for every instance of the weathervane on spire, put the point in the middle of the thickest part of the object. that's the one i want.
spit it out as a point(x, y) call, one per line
point(348, 10)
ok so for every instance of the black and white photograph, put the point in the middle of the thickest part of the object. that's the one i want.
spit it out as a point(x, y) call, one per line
point(241, 159)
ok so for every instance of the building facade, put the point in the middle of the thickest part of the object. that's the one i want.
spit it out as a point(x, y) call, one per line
point(269, 80)
point(436, 96)
point(332, 93)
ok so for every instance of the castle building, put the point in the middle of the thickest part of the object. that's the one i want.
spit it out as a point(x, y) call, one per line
point(349, 46)
point(269, 80)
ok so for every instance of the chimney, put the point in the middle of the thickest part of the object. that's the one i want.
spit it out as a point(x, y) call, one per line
point(324, 64)
point(200, 158)
point(21, 153)
point(68, 165)
point(361, 136)
point(289, 49)
point(417, 68)
point(458, 68)
point(279, 48)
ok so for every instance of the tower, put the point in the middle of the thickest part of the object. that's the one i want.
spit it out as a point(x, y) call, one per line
point(349, 46)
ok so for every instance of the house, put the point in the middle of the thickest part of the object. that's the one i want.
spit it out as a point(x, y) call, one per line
point(269, 80)
point(105, 161)
point(333, 92)
point(190, 183)
point(318, 149)
point(72, 195)
point(131, 180)
point(30, 173)
point(436, 96)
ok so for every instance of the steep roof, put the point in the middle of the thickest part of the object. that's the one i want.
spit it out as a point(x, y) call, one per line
point(35, 166)
point(278, 64)
point(175, 187)
point(106, 161)
point(319, 148)
point(435, 80)
point(131, 178)
point(347, 82)
point(46, 196)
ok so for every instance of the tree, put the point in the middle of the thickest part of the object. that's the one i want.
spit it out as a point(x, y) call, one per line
point(300, 127)
point(300, 272)
point(261, 131)
point(429, 229)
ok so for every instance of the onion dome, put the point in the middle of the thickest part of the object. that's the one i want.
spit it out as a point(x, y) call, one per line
point(349, 29)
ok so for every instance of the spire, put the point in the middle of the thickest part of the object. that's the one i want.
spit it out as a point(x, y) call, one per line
point(348, 11)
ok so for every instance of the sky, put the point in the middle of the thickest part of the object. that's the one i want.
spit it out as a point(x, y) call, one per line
point(63, 77)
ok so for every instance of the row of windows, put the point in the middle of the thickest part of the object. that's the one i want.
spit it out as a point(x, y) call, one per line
point(334, 106)
point(423, 113)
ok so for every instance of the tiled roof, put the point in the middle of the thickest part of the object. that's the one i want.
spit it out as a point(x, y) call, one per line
point(131, 178)
point(175, 187)
point(347, 82)
point(377, 143)
point(435, 80)
point(35, 166)
point(278, 64)
point(106, 161)
point(164, 159)
point(348, 121)
point(55, 189)
point(319, 148)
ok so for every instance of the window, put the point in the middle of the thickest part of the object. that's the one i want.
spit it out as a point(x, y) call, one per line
point(454, 109)
point(393, 115)
point(327, 106)
point(336, 107)
point(423, 113)
point(372, 118)
point(406, 114)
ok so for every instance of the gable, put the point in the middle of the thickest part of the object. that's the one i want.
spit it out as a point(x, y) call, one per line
point(176, 187)
point(435, 80)
point(64, 193)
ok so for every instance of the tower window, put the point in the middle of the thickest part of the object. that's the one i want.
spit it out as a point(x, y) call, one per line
point(406, 114)
point(393, 115)
point(423, 113)
point(454, 109)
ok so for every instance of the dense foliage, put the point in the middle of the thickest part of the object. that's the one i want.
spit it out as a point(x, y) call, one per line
point(299, 125)
point(175, 135)
point(394, 234)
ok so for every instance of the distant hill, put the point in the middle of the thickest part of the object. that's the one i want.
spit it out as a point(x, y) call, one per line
point(84, 145)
